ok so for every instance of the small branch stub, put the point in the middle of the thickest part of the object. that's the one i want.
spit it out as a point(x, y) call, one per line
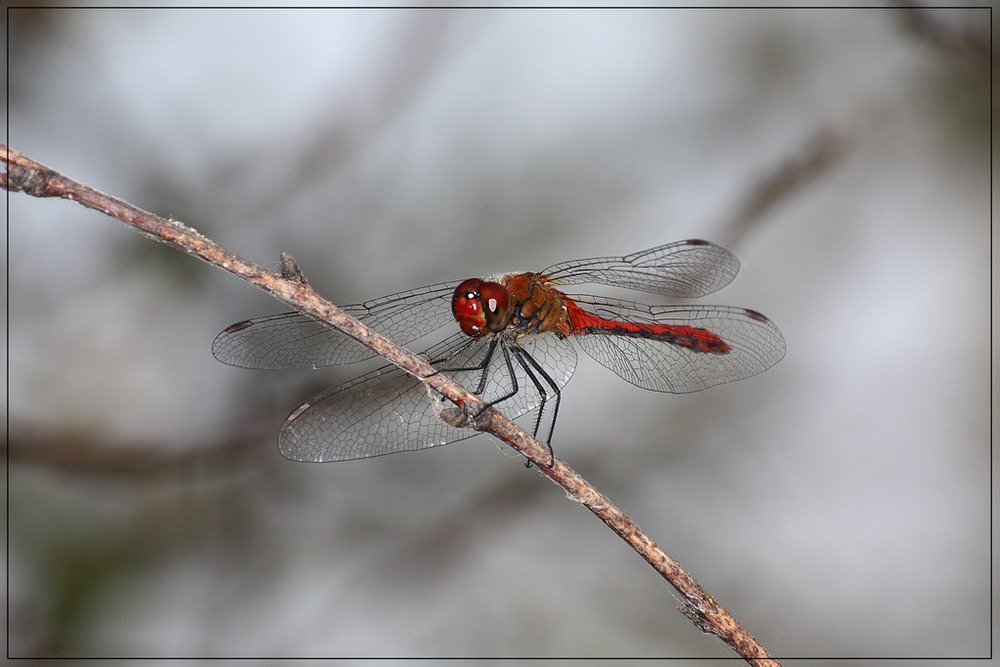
point(290, 270)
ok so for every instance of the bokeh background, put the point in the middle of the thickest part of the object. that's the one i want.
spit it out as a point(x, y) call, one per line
point(838, 505)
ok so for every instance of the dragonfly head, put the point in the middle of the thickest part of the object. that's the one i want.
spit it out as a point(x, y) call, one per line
point(480, 307)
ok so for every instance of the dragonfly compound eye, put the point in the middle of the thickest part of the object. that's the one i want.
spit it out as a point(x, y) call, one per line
point(467, 307)
point(480, 307)
point(497, 307)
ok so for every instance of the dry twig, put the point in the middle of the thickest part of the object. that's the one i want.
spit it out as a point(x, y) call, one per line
point(26, 175)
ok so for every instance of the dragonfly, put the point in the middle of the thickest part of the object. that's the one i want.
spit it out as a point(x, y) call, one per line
point(511, 341)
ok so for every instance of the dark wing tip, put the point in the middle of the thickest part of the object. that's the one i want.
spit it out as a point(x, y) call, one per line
point(239, 326)
point(754, 315)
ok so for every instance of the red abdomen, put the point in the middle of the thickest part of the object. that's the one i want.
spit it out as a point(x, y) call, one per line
point(694, 338)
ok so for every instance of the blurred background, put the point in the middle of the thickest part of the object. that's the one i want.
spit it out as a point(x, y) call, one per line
point(837, 505)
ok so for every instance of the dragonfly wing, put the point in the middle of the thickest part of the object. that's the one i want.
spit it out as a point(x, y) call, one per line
point(293, 341)
point(388, 410)
point(755, 344)
point(382, 412)
point(683, 269)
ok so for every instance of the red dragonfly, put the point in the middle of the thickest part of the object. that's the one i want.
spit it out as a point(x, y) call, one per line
point(513, 347)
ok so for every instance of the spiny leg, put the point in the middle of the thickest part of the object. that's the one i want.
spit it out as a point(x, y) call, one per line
point(483, 364)
point(454, 353)
point(519, 354)
point(528, 363)
point(531, 368)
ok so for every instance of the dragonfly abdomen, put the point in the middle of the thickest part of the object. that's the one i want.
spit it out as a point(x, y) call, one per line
point(682, 335)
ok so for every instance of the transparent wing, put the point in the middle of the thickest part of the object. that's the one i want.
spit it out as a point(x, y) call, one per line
point(387, 410)
point(683, 269)
point(755, 343)
point(293, 341)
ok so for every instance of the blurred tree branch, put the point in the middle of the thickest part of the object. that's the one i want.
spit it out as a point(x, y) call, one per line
point(970, 47)
point(25, 175)
point(821, 151)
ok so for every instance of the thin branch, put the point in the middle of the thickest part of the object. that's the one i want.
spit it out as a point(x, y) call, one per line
point(969, 46)
point(91, 453)
point(820, 152)
point(26, 175)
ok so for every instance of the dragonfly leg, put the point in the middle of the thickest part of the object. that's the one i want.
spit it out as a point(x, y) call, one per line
point(483, 365)
point(510, 373)
point(514, 386)
point(534, 371)
point(455, 353)
point(531, 367)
